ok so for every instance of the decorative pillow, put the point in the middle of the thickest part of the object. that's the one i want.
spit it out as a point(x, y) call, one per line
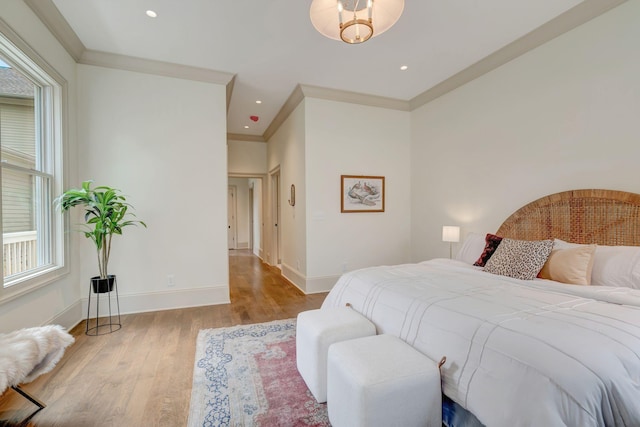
point(616, 266)
point(492, 242)
point(520, 259)
point(472, 247)
point(572, 265)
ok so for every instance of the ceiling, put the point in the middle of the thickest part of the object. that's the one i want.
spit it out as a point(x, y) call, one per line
point(270, 46)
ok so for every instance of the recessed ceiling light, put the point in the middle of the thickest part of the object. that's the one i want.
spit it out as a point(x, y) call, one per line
point(151, 14)
point(404, 68)
point(246, 127)
point(258, 102)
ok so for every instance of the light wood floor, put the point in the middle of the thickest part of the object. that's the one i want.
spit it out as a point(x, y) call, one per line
point(141, 375)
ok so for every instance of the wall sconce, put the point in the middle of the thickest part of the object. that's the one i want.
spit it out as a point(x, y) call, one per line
point(292, 197)
point(451, 234)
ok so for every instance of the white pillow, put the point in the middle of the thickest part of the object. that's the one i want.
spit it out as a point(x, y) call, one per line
point(472, 248)
point(612, 265)
point(561, 244)
point(616, 266)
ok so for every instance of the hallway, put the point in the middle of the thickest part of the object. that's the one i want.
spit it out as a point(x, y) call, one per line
point(259, 293)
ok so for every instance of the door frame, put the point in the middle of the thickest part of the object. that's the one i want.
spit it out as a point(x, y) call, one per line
point(264, 238)
point(275, 196)
point(232, 223)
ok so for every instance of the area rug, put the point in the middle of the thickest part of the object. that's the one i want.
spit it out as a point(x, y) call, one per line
point(247, 376)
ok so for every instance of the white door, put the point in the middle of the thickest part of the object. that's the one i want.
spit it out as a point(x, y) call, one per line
point(232, 217)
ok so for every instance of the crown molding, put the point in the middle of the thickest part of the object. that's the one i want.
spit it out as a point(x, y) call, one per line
point(303, 91)
point(51, 17)
point(287, 108)
point(246, 138)
point(354, 98)
point(149, 66)
point(230, 85)
point(572, 18)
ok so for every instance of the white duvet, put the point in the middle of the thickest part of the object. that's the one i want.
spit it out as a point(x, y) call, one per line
point(519, 353)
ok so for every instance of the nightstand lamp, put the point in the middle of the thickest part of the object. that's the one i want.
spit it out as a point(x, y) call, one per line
point(451, 234)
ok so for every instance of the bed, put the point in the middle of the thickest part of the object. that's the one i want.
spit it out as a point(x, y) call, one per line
point(525, 352)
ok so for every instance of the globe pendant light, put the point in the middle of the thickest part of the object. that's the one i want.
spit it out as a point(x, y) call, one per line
point(354, 21)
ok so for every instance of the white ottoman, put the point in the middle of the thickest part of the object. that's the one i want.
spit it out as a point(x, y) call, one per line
point(382, 381)
point(316, 330)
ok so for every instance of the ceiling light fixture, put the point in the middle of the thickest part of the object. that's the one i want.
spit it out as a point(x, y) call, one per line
point(258, 102)
point(404, 68)
point(151, 14)
point(354, 21)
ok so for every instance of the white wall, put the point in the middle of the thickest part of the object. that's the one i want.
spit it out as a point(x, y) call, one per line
point(246, 157)
point(348, 139)
point(162, 141)
point(57, 302)
point(242, 211)
point(561, 117)
point(318, 142)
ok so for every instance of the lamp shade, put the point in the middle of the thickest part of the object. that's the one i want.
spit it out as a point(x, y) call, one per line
point(450, 233)
point(354, 21)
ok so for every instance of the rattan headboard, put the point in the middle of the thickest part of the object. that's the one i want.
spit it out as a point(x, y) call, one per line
point(605, 217)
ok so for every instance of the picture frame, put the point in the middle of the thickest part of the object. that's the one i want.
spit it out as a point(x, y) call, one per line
point(361, 193)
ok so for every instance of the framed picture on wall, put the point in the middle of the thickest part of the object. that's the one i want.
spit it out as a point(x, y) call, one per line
point(361, 193)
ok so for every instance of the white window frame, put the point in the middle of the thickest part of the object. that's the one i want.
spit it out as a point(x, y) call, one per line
point(51, 114)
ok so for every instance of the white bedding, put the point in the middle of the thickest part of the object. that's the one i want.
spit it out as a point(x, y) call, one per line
point(536, 353)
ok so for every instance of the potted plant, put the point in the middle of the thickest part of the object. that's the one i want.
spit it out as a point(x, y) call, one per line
point(106, 214)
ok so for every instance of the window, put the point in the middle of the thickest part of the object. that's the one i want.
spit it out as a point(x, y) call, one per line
point(31, 152)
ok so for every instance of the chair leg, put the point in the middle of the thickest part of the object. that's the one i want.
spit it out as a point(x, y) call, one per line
point(29, 397)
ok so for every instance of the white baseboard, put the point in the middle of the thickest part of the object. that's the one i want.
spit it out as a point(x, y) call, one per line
point(70, 317)
point(308, 285)
point(320, 284)
point(295, 277)
point(259, 253)
point(157, 301)
point(243, 245)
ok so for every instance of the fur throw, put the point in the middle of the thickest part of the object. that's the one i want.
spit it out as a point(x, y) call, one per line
point(28, 353)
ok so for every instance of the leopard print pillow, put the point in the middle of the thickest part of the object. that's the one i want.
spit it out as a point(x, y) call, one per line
point(521, 259)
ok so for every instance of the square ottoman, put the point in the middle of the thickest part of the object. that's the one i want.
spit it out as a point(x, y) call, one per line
point(316, 330)
point(382, 381)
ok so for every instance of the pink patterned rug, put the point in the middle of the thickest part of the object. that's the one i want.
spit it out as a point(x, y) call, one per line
point(247, 376)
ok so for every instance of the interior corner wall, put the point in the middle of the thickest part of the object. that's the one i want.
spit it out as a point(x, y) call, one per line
point(350, 139)
point(162, 141)
point(286, 152)
point(57, 302)
point(563, 116)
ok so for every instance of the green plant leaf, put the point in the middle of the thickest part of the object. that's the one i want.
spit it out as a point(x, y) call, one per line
point(106, 214)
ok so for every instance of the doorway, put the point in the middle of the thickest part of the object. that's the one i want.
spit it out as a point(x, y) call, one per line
point(249, 207)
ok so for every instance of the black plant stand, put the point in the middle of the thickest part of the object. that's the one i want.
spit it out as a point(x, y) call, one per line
point(110, 325)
